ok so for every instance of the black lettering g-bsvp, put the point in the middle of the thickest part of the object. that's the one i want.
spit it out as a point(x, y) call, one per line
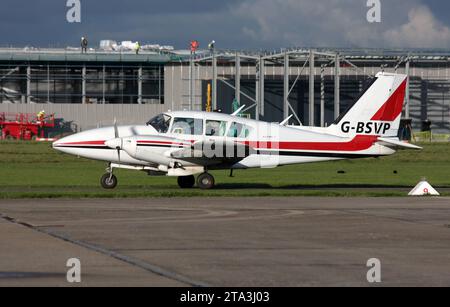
point(345, 127)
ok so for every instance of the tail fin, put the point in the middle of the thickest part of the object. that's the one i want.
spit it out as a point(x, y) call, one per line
point(378, 110)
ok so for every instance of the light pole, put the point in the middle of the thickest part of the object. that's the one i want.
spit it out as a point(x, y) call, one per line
point(194, 47)
point(212, 47)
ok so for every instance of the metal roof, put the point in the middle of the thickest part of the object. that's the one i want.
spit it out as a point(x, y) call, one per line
point(95, 55)
point(64, 55)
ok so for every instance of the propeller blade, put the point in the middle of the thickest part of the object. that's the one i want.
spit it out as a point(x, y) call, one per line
point(116, 129)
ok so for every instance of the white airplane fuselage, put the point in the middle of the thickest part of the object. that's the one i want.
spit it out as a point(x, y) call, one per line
point(290, 145)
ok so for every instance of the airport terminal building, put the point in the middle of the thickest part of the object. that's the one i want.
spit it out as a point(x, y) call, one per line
point(315, 86)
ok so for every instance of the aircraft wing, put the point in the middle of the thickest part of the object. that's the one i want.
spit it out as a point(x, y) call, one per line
point(397, 143)
point(213, 152)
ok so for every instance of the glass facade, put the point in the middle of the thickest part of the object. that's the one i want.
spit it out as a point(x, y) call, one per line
point(82, 83)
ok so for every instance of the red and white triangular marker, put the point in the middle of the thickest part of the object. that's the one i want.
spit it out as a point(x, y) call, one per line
point(423, 188)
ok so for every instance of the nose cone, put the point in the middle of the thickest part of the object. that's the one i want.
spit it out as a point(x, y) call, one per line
point(55, 145)
point(59, 144)
point(81, 143)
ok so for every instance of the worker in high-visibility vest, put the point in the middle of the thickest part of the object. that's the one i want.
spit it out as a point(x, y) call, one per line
point(41, 116)
point(137, 47)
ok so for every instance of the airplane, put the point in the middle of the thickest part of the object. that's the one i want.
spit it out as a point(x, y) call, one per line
point(187, 143)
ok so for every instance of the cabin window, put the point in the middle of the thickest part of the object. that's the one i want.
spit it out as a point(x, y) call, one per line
point(216, 128)
point(161, 123)
point(189, 126)
point(238, 130)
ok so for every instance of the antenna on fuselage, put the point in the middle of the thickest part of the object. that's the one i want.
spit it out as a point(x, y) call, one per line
point(236, 113)
point(286, 121)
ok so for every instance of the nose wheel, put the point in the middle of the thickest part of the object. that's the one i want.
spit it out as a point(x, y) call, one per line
point(108, 181)
point(205, 181)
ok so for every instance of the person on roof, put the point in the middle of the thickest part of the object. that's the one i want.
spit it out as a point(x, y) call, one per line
point(84, 44)
point(137, 47)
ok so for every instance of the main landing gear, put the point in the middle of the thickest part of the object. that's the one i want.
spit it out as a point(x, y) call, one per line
point(109, 180)
point(186, 182)
point(205, 181)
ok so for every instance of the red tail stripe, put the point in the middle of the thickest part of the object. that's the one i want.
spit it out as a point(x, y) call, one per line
point(360, 142)
point(393, 107)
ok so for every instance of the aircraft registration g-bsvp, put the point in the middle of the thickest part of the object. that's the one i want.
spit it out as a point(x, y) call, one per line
point(183, 144)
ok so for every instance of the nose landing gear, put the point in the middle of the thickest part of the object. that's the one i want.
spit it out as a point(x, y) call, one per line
point(109, 180)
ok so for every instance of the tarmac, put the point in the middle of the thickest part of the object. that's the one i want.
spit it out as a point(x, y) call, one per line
point(253, 242)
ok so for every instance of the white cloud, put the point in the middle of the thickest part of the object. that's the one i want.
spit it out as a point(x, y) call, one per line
point(405, 23)
point(422, 30)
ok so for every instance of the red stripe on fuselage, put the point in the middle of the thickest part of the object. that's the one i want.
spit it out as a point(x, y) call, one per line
point(360, 142)
point(393, 107)
point(163, 143)
point(85, 143)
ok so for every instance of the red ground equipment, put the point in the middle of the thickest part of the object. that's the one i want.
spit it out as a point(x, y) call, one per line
point(22, 126)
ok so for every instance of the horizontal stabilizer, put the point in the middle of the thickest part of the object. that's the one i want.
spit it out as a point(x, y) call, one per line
point(398, 143)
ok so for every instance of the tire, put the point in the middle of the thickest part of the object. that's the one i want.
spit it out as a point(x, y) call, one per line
point(205, 181)
point(186, 182)
point(108, 181)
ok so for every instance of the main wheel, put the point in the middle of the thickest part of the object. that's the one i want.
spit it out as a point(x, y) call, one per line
point(108, 181)
point(205, 181)
point(186, 182)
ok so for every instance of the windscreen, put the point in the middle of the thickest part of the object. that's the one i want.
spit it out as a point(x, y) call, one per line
point(161, 123)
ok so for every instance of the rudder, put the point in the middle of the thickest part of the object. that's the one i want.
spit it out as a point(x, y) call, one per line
point(378, 110)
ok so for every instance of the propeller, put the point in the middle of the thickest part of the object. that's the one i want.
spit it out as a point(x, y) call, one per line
point(117, 142)
point(116, 130)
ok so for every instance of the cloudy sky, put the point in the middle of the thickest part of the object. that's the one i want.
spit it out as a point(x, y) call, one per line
point(236, 24)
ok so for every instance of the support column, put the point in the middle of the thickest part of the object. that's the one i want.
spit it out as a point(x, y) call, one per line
point(311, 88)
point(214, 81)
point(237, 78)
point(286, 86)
point(104, 85)
point(407, 105)
point(337, 84)
point(83, 85)
point(140, 85)
point(48, 83)
point(257, 89)
point(322, 97)
point(28, 84)
point(261, 85)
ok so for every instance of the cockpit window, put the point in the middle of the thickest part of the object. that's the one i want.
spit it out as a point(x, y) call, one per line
point(161, 123)
point(238, 130)
point(189, 126)
point(215, 128)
